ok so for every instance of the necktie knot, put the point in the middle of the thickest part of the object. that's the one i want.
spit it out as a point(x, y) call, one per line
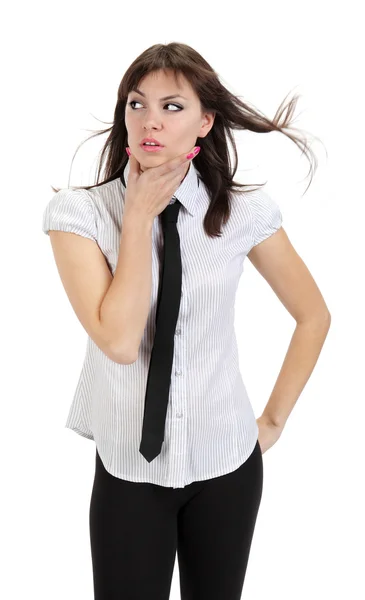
point(170, 213)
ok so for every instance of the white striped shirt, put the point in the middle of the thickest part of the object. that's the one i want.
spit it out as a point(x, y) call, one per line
point(210, 426)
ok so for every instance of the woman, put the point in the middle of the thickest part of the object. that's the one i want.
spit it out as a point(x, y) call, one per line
point(185, 475)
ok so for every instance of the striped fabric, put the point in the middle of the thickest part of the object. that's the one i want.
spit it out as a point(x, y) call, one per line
point(210, 428)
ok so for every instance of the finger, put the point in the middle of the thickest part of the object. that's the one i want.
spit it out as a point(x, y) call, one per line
point(177, 162)
point(173, 176)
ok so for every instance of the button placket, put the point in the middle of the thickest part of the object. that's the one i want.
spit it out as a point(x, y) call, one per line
point(179, 414)
point(178, 373)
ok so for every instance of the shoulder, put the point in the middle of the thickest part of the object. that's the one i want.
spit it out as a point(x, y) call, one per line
point(71, 210)
point(265, 214)
point(108, 199)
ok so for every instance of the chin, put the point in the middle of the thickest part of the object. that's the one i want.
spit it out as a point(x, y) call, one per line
point(144, 167)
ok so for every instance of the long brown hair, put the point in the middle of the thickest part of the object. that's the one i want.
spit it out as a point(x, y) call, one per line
point(213, 162)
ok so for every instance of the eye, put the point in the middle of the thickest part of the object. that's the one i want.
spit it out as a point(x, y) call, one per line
point(168, 104)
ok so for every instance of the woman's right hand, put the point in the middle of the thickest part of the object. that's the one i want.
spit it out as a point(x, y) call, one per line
point(149, 193)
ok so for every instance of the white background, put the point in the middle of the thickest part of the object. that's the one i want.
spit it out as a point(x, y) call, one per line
point(61, 67)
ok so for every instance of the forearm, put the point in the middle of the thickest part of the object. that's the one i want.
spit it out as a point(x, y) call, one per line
point(124, 310)
point(303, 352)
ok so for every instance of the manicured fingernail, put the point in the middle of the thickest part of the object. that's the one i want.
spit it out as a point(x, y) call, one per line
point(128, 151)
point(194, 152)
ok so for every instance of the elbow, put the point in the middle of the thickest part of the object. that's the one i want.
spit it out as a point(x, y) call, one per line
point(122, 357)
point(318, 320)
point(327, 319)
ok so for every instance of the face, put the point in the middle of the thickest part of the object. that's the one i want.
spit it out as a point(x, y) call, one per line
point(175, 123)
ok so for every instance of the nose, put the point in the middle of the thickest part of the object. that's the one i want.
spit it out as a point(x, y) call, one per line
point(151, 121)
point(150, 126)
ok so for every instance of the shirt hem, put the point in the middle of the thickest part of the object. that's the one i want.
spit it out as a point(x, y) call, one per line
point(238, 462)
point(232, 468)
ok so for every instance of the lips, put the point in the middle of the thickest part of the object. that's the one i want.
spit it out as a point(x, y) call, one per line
point(152, 140)
point(151, 148)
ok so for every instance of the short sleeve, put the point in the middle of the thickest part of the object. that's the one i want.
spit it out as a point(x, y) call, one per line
point(266, 215)
point(71, 210)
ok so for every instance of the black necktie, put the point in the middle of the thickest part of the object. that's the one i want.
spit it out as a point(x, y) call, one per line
point(168, 305)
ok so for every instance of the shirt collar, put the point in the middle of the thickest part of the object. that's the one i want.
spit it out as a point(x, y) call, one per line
point(187, 191)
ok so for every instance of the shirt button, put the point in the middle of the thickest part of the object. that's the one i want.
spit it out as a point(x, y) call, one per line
point(178, 331)
point(179, 415)
point(177, 372)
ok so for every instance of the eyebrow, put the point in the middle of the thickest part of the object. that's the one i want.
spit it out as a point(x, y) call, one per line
point(164, 98)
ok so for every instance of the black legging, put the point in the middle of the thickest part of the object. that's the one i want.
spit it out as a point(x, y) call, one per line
point(136, 529)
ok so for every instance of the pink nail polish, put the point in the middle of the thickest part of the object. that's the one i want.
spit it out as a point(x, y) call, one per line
point(193, 153)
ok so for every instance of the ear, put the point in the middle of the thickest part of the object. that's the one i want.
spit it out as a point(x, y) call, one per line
point(208, 122)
